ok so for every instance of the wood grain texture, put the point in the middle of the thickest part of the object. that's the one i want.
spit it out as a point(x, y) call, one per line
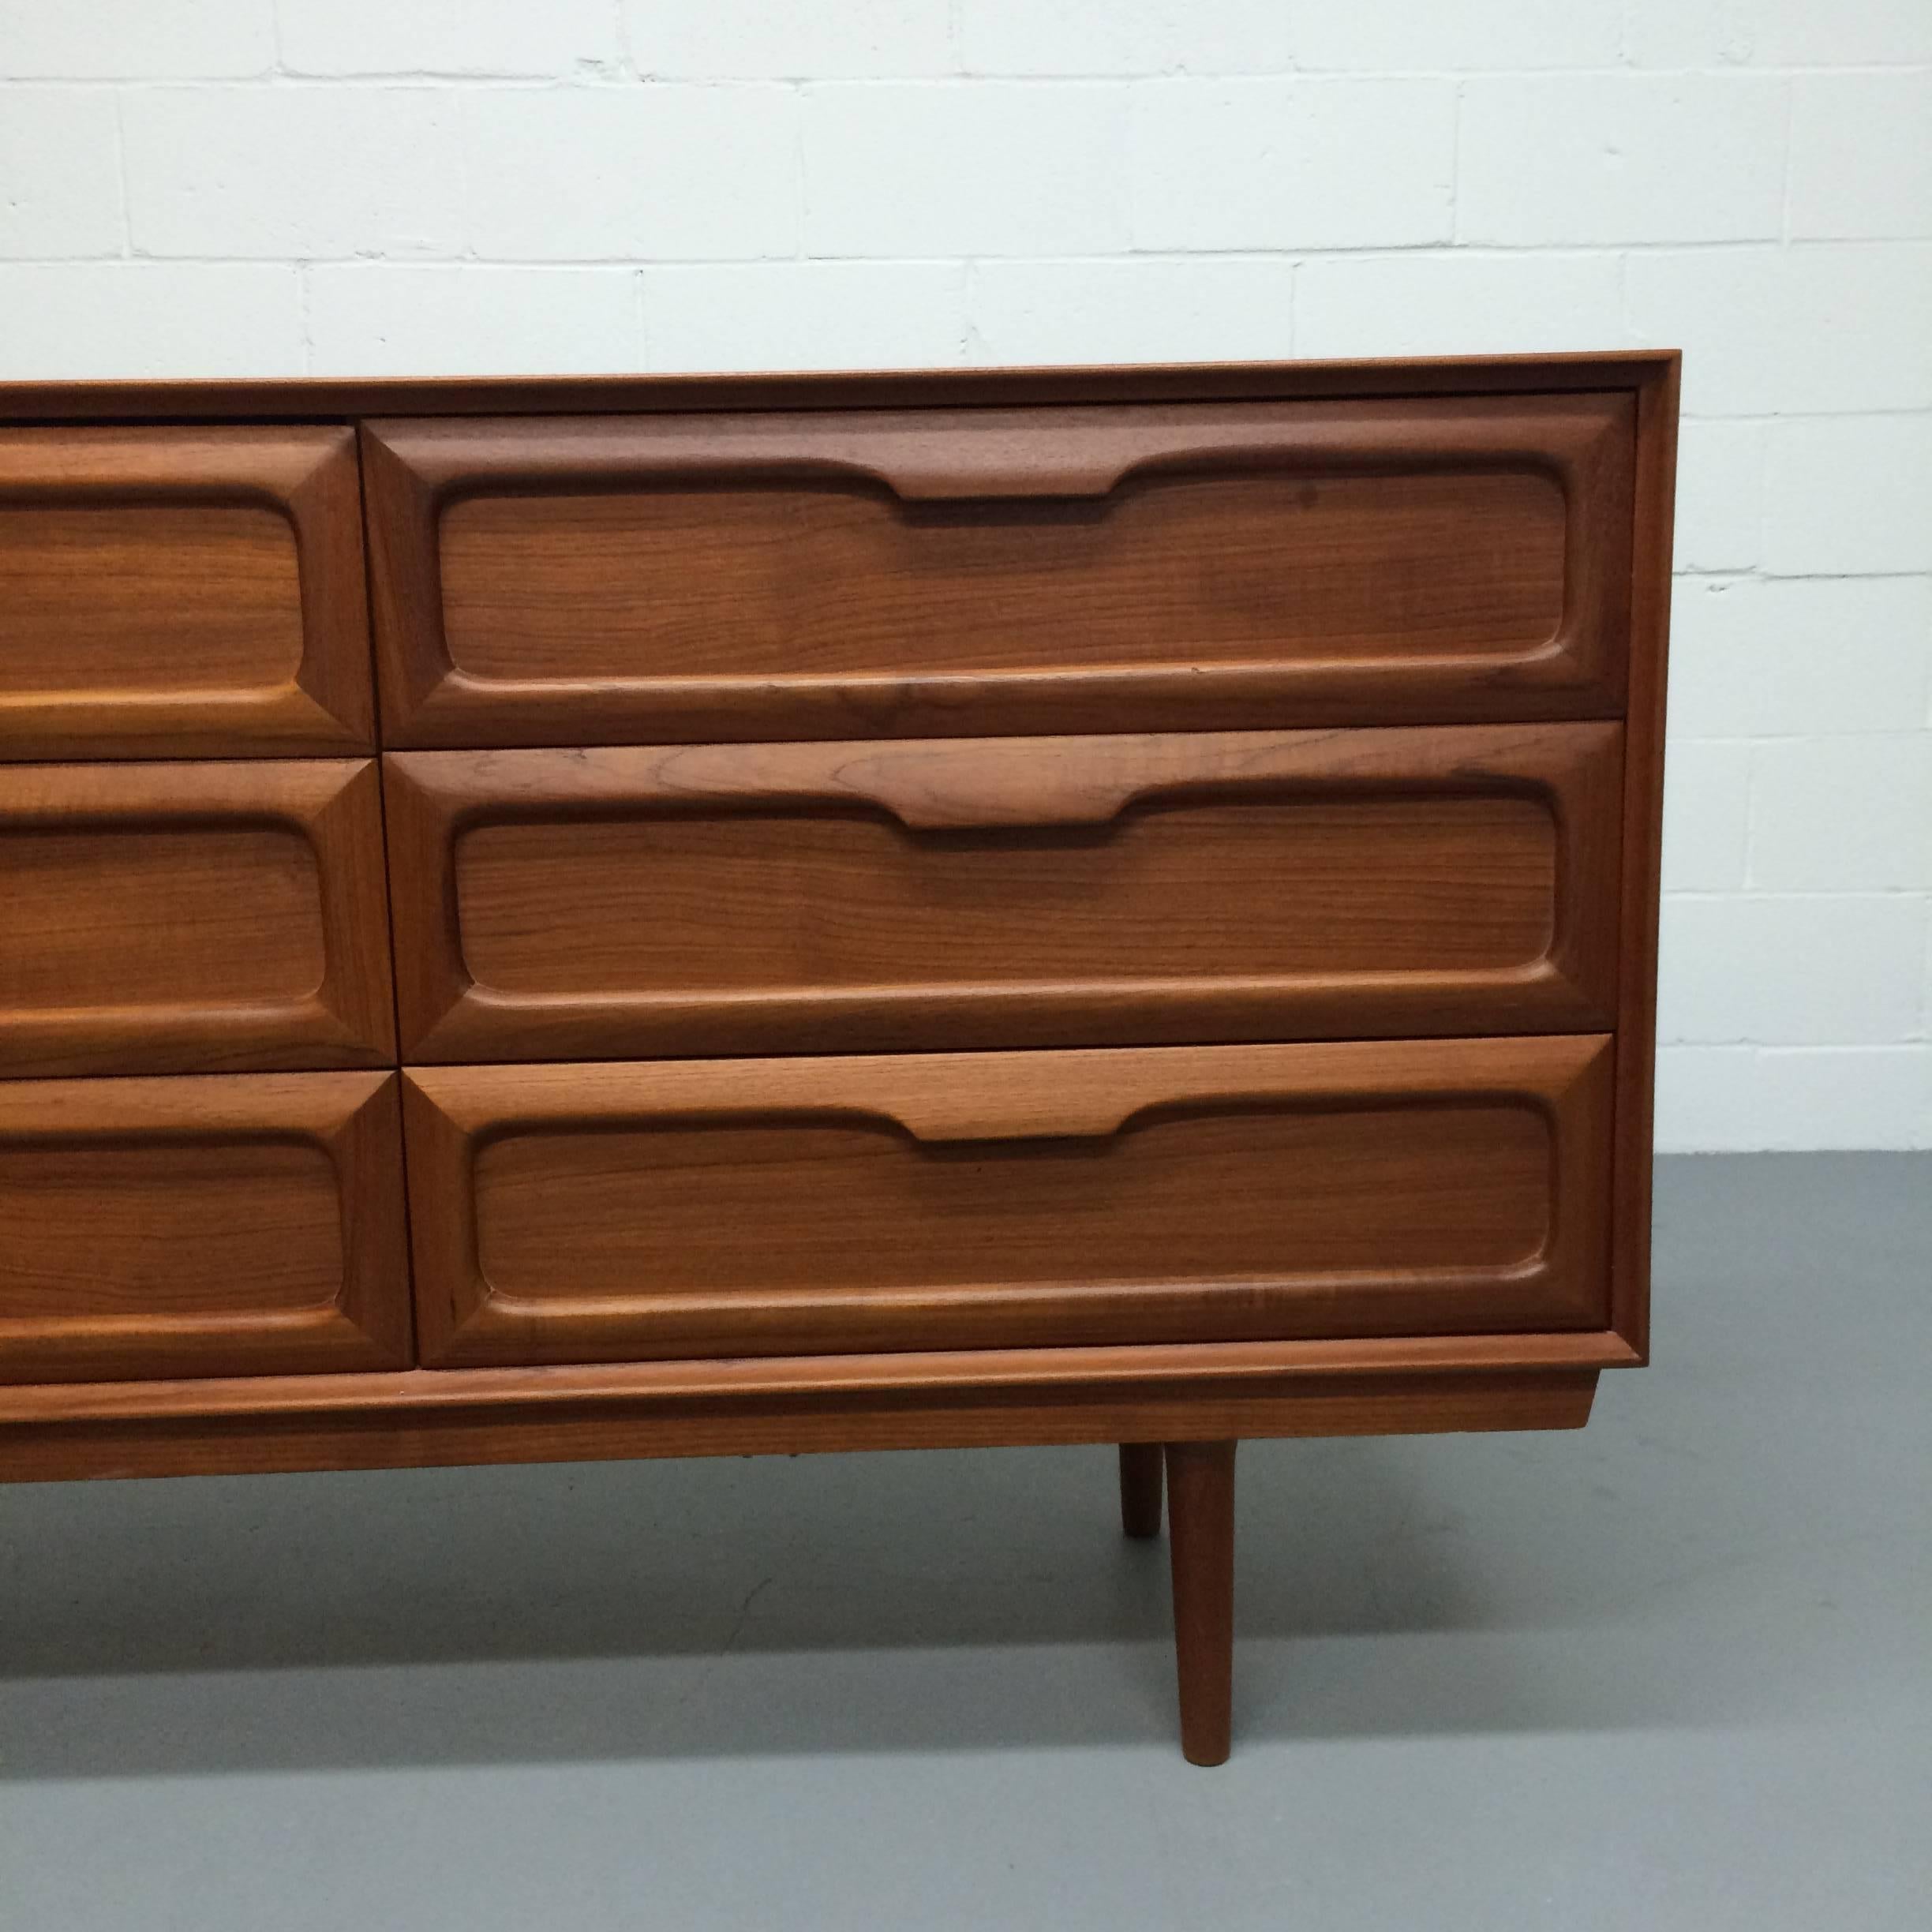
point(1642, 878)
point(791, 1207)
point(408, 1433)
point(826, 1383)
point(1004, 893)
point(1200, 1508)
point(164, 918)
point(179, 592)
point(917, 573)
point(1001, 501)
point(305, 399)
point(213, 1226)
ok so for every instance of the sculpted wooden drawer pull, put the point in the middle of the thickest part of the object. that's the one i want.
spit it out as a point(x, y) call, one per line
point(1208, 565)
point(1020, 786)
point(800, 1206)
point(937, 470)
point(963, 893)
point(1062, 1116)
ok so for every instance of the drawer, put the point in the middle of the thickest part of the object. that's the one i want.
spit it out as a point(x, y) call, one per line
point(1004, 892)
point(181, 592)
point(218, 1226)
point(733, 1208)
point(956, 572)
point(165, 918)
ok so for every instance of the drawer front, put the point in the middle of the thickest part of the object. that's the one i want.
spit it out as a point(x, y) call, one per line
point(181, 592)
point(912, 573)
point(165, 918)
point(701, 1209)
point(201, 1226)
point(1020, 891)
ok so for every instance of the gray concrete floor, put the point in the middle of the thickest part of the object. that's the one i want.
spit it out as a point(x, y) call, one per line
point(1673, 1671)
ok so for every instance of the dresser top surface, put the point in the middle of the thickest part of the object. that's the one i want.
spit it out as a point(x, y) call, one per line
point(309, 399)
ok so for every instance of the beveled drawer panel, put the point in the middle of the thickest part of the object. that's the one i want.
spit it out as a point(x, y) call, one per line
point(201, 1226)
point(915, 572)
point(181, 592)
point(801, 1207)
point(167, 918)
point(1004, 892)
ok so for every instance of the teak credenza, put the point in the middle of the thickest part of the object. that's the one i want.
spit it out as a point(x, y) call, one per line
point(546, 920)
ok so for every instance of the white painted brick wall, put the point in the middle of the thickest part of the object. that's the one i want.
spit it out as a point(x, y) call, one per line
point(825, 315)
point(60, 173)
point(447, 37)
point(1126, 38)
point(135, 40)
point(627, 173)
point(1861, 154)
point(1547, 160)
point(1291, 164)
point(396, 318)
point(268, 187)
point(1131, 308)
point(757, 40)
point(273, 172)
point(963, 168)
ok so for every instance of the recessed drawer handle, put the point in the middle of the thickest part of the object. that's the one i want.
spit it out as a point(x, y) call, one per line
point(933, 792)
point(992, 467)
point(1046, 1115)
point(1095, 462)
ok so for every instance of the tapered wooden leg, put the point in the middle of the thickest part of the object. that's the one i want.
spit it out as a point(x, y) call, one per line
point(1200, 1517)
point(1141, 1489)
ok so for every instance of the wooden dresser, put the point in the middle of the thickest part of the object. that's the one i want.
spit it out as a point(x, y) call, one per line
point(590, 919)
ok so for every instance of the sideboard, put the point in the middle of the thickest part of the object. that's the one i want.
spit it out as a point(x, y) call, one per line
point(580, 919)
